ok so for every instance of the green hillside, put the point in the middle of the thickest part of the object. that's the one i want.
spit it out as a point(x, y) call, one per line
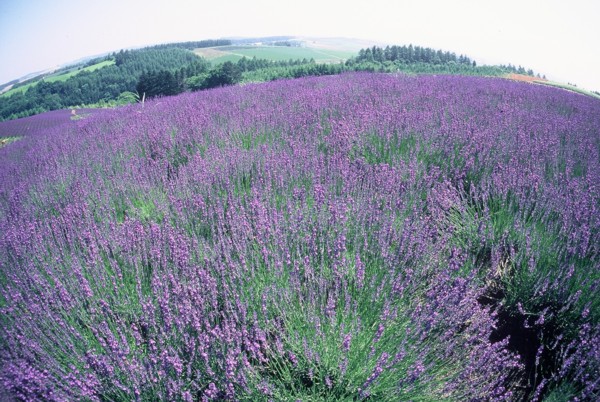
point(569, 87)
point(131, 75)
point(61, 76)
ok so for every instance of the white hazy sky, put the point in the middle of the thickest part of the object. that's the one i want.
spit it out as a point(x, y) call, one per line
point(558, 38)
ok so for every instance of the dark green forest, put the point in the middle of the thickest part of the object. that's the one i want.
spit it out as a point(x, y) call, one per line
point(170, 69)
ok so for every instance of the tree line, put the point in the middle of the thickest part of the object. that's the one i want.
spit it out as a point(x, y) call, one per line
point(423, 60)
point(410, 54)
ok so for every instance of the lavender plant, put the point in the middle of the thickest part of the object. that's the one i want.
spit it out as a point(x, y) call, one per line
point(357, 237)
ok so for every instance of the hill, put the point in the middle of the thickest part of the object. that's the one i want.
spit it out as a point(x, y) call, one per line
point(131, 75)
point(353, 237)
point(107, 80)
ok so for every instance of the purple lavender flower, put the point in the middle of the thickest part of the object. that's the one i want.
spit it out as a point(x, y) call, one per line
point(333, 237)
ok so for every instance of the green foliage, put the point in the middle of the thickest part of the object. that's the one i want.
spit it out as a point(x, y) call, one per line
point(419, 60)
point(377, 149)
point(227, 73)
point(564, 392)
point(259, 70)
point(292, 71)
point(196, 82)
point(410, 54)
point(126, 98)
point(161, 83)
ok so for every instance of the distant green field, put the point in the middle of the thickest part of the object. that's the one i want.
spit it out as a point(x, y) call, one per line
point(67, 75)
point(569, 88)
point(62, 76)
point(222, 54)
point(16, 90)
point(226, 57)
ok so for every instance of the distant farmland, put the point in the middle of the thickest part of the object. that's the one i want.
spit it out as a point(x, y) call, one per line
point(221, 54)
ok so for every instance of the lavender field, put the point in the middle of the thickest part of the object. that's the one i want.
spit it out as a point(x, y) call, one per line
point(355, 237)
point(41, 123)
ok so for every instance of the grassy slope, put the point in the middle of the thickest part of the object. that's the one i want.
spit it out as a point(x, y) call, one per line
point(534, 80)
point(569, 88)
point(62, 76)
point(67, 75)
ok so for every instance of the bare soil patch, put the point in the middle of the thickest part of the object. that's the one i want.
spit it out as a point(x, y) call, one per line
point(523, 77)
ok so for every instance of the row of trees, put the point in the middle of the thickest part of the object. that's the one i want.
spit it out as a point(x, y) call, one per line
point(169, 82)
point(410, 54)
point(306, 69)
point(422, 60)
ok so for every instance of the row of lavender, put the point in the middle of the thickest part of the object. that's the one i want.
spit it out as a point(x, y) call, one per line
point(336, 238)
